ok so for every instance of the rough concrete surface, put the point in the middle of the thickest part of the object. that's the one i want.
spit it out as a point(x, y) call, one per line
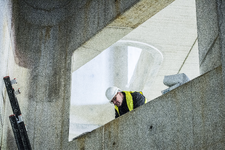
point(170, 88)
point(171, 80)
point(221, 13)
point(208, 35)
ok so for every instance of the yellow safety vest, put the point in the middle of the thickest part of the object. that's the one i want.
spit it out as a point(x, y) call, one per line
point(129, 100)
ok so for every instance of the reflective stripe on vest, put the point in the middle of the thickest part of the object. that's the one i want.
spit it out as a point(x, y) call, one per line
point(129, 100)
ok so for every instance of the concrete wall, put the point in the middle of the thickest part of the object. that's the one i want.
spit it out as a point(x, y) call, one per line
point(189, 117)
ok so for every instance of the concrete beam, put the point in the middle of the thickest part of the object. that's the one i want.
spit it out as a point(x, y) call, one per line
point(117, 29)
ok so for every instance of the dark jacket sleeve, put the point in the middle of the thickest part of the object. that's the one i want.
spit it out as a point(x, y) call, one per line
point(138, 99)
point(116, 114)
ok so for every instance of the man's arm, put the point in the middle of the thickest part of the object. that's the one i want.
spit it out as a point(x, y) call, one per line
point(116, 114)
point(138, 99)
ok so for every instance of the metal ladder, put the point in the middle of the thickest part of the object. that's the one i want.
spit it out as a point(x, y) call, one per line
point(18, 126)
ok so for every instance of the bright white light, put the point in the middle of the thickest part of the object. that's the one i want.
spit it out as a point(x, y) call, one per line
point(133, 57)
point(90, 81)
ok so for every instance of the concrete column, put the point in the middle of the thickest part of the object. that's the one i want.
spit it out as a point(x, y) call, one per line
point(48, 86)
point(211, 35)
point(43, 49)
point(221, 18)
point(208, 35)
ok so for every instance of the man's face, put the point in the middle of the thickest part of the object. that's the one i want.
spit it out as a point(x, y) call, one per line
point(117, 99)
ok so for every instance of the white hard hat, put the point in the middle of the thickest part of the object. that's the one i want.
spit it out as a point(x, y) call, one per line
point(111, 92)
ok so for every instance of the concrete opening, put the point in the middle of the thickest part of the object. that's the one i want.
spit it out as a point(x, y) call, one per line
point(126, 64)
point(168, 44)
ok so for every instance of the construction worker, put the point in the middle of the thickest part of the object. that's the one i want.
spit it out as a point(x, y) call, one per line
point(124, 101)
